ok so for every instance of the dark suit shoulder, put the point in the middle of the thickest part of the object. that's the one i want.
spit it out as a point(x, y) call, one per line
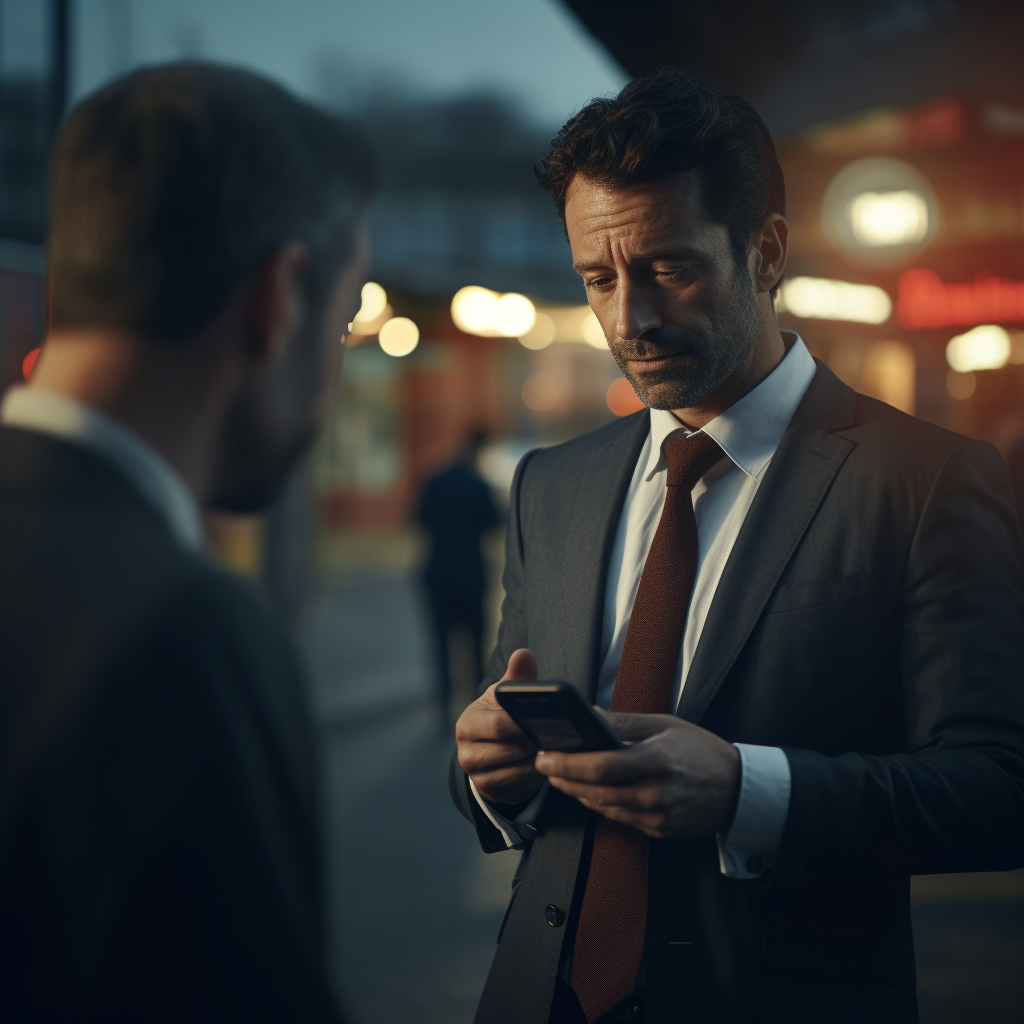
point(911, 453)
point(876, 418)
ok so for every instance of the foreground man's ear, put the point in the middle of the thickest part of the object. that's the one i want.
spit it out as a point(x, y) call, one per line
point(276, 303)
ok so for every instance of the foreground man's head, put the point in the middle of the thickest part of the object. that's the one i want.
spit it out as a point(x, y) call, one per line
point(674, 204)
point(205, 258)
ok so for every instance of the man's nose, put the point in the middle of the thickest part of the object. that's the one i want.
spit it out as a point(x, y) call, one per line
point(636, 312)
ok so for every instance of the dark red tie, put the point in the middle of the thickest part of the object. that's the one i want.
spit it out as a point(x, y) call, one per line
point(610, 935)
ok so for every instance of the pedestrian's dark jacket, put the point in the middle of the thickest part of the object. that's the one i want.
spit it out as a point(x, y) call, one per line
point(456, 509)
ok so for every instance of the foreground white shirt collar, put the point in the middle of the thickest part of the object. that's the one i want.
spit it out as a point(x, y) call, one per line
point(57, 415)
point(749, 431)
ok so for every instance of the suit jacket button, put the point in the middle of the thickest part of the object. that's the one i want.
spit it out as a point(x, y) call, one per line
point(554, 915)
point(755, 865)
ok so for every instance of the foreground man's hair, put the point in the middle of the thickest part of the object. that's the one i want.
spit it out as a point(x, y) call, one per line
point(668, 122)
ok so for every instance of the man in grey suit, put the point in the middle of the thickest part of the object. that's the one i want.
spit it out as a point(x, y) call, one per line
point(803, 608)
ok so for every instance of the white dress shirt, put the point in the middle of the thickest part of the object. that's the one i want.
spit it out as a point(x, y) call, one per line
point(57, 415)
point(749, 433)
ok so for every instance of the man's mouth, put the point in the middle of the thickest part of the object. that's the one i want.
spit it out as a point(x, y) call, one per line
point(657, 363)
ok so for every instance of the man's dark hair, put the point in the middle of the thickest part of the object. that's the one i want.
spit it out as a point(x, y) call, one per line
point(169, 186)
point(668, 122)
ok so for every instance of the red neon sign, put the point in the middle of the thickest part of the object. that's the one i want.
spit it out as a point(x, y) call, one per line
point(923, 299)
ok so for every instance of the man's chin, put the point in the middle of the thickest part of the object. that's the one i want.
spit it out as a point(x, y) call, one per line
point(668, 393)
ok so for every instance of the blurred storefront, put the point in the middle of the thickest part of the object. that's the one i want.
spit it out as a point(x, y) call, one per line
point(906, 273)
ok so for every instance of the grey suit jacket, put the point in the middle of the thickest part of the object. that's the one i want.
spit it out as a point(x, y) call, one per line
point(870, 621)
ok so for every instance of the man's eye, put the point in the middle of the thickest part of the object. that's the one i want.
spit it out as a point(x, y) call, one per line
point(599, 282)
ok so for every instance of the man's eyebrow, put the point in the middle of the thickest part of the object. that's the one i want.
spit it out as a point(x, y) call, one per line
point(672, 254)
point(648, 257)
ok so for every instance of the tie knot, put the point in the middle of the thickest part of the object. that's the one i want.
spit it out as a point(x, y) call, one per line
point(689, 458)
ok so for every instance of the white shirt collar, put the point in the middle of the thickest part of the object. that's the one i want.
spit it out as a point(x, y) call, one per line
point(57, 415)
point(750, 430)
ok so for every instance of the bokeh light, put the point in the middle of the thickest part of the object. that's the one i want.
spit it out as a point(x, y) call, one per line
point(889, 218)
point(622, 399)
point(541, 334)
point(824, 299)
point(28, 364)
point(399, 336)
point(374, 301)
point(960, 385)
point(984, 348)
point(514, 315)
point(473, 309)
point(590, 329)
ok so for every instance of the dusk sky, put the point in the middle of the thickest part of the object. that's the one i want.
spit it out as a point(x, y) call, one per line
point(532, 50)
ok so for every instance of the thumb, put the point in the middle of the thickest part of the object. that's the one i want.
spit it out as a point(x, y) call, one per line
point(522, 667)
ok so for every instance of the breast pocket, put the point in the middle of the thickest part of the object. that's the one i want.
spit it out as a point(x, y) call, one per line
point(789, 597)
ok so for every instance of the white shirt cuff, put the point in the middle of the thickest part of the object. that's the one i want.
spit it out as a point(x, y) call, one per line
point(748, 847)
point(521, 831)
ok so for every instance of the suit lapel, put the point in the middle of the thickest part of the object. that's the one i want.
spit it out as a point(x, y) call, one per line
point(800, 474)
point(600, 492)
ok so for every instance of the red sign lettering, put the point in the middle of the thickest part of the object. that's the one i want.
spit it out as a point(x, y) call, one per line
point(924, 300)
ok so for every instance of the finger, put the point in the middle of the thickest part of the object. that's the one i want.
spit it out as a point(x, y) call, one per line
point(490, 727)
point(522, 666)
point(641, 799)
point(477, 757)
point(651, 824)
point(606, 767)
point(638, 727)
point(497, 770)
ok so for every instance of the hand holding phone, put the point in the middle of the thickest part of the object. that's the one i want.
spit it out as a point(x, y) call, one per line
point(555, 716)
point(492, 749)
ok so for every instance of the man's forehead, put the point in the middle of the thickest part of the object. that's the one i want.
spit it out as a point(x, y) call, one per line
point(651, 215)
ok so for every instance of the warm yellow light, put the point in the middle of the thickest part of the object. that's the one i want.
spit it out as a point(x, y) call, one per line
point(982, 348)
point(514, 315)
point(399, 336)
point(541, 334)
point(591, 330)
point(473, 309)
point(823, 299)
point(889, 218)
point(960, 385)
point(374, 299)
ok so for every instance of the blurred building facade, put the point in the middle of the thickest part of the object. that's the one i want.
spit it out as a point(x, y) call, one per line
point(33, 86)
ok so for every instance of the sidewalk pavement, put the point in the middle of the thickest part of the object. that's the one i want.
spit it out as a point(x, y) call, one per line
point(415, 906)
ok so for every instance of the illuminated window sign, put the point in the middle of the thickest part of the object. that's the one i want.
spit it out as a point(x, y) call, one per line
point(923, 299)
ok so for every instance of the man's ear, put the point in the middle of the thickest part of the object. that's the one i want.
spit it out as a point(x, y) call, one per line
point(277, 300)
point(771, 243)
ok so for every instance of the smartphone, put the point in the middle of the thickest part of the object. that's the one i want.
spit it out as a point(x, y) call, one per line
point(555, 717)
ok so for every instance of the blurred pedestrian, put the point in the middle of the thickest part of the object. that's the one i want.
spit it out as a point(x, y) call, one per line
point(159, 842)
point(456, 509)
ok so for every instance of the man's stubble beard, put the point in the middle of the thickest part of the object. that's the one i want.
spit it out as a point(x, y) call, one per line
point(711, 362)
